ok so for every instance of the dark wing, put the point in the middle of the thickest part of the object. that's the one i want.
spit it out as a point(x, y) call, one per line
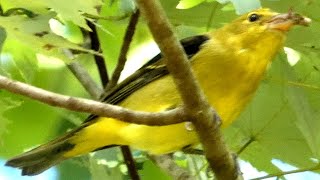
point(151, 71)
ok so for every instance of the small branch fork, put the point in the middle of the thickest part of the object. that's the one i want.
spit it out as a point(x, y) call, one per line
point(124, 50)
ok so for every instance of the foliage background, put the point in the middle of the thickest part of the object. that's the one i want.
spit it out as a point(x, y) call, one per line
point(281, 123)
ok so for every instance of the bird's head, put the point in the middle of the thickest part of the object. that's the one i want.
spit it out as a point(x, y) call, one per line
point(261, 28)
point(265, 20)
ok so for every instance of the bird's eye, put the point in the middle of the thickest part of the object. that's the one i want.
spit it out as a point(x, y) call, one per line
point(253, 17)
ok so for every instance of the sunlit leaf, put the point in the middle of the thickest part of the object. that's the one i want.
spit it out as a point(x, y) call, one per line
point(68, 10)
point(186, 4)
point(67, 30)
point(35, 6)
point(245, 6)
point(71, 11)
point(19, 60)
point(35, 33)
point(198, 16)
point(292, 56)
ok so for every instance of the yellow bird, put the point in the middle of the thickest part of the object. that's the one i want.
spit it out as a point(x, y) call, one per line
point(229, 64)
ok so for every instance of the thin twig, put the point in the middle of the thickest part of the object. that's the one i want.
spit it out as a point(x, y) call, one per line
point(94, 107)
point(99, 60)
point(167, 163)
point(129, 161)
point(83, 76)
point(288, 172)
point(108, 18)
point(124, 50)
point(85, 79)
point(199, 111)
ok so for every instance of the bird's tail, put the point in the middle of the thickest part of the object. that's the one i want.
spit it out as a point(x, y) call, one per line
point(90, 136)
point(43, 157)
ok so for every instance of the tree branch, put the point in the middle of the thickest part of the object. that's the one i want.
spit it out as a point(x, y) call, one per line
point(94, 107)
point(124, 50)
point(197, 108)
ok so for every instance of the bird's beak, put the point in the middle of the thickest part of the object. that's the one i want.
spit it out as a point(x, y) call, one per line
point(284, 22)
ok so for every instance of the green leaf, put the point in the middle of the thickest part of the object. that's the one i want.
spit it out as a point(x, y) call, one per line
point(150, 171)
point(18, 60)
point(71, 11)
point(3, 36)
point(6, 104)
point(186, 4)
point(34, 123)
point(35, 33)
point(68, 30)
point(35, 6)
point(68, 10)
point(206, 14)
point(245, 6)
point(305, 118)
point(268, 125)
point(304, 100)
